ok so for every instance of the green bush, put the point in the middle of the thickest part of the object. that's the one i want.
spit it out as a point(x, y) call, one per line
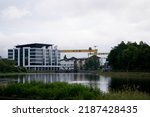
point(56, 91)
point(65, 91)
point(8, 66)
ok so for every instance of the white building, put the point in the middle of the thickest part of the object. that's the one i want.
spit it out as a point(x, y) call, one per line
point(73, 63)
point(36, 56)
point(67, 65)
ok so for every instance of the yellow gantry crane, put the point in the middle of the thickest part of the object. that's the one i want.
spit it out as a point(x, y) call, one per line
point(90, 51)
point(70, 51)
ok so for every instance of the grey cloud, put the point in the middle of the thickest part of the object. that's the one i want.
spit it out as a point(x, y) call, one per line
point(77, 23)
point(12, 12)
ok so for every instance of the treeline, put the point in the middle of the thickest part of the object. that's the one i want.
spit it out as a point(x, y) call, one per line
point(130, 57)
point(92, 63)
point(7, 66)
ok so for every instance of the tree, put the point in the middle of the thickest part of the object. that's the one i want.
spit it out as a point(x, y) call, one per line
point(115, 56)
point(92, 63)
point(65, 57)
point(9, 66)
point(130, 57)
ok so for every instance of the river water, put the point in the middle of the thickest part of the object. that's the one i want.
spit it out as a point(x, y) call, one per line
point(105, 84)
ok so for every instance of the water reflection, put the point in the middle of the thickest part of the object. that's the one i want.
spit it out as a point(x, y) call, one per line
point(100, 82)
point(105, 84)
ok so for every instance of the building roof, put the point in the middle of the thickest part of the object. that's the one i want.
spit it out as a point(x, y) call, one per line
point(36, 45)
point(73, 58)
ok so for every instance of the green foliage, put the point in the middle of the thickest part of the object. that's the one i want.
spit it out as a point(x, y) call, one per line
point(53, 91)
point(92, 63)
point(130, 57)
point(7, 66)
point(65, 91)
point(125, 74)
point(126, 95)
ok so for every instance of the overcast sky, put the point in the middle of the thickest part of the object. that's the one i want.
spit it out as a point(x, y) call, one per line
point(73, 24)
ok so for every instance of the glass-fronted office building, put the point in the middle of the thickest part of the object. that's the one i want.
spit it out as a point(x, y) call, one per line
point(36, 56)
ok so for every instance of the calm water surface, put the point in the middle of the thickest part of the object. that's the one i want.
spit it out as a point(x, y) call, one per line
point(105, 84)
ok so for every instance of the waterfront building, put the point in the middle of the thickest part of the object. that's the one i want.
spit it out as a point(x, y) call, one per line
point(80, 63)
point(36, 56)
point(68, 64)
point(72, 63)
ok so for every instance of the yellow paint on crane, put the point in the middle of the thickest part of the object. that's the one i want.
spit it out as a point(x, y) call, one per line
point(89, 51)
point(94, 51)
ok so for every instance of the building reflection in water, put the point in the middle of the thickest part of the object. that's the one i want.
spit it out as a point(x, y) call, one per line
point(104, 84)
point(100, 82)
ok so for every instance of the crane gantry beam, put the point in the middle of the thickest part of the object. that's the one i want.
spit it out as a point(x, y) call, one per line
point(90, 51)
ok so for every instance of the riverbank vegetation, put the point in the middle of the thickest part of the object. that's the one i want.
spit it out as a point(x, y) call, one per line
point(8, 66)
point(65, 91)
point(130, 57)
point(52, 91)
point(124, 74)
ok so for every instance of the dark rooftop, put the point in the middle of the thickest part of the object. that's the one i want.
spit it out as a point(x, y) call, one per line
point(73, 58)
point(36, 45)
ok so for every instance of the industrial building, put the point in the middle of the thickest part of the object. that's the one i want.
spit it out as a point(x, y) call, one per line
point(36, 56)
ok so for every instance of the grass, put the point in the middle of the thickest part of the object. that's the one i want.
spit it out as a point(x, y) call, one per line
point(125, 74)
point(65, 91)
point(57, 91)
point(128, 94)
point(12, 74)
point(22, 73)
